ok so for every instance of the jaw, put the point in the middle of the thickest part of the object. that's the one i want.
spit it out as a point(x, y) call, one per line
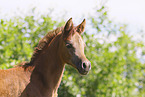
point(79, 69)
point(82, 72)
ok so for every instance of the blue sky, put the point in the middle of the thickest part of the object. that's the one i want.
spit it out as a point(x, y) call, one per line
point(131, 12)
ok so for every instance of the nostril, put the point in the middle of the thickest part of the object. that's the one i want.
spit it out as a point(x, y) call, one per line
point(84, 65)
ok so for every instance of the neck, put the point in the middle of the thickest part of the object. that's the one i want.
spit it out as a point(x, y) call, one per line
point(49, 69)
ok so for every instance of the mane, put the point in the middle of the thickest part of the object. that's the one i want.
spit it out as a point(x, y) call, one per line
point(41, 45)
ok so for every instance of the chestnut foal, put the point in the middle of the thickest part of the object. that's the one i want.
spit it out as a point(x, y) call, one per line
point(41, 77)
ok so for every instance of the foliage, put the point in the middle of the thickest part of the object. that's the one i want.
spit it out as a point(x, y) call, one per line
point(19, 36)
point(116, 69)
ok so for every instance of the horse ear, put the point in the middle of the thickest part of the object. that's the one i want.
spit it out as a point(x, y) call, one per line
point(67, 28)
point(80, 28)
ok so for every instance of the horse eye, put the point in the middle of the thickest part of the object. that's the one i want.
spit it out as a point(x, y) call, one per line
point(68, 45)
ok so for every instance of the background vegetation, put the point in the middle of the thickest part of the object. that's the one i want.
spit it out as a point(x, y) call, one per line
point(117, 71)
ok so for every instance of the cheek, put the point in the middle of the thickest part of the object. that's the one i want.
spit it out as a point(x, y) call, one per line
point(66, 55)
point(70, 57)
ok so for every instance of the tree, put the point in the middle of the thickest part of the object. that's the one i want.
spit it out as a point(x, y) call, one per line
point(116, 69)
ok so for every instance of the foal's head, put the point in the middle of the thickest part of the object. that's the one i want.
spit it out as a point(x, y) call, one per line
point(73, 47)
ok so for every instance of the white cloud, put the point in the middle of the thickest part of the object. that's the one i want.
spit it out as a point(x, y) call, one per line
point(124, 11)
point(128, 11)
